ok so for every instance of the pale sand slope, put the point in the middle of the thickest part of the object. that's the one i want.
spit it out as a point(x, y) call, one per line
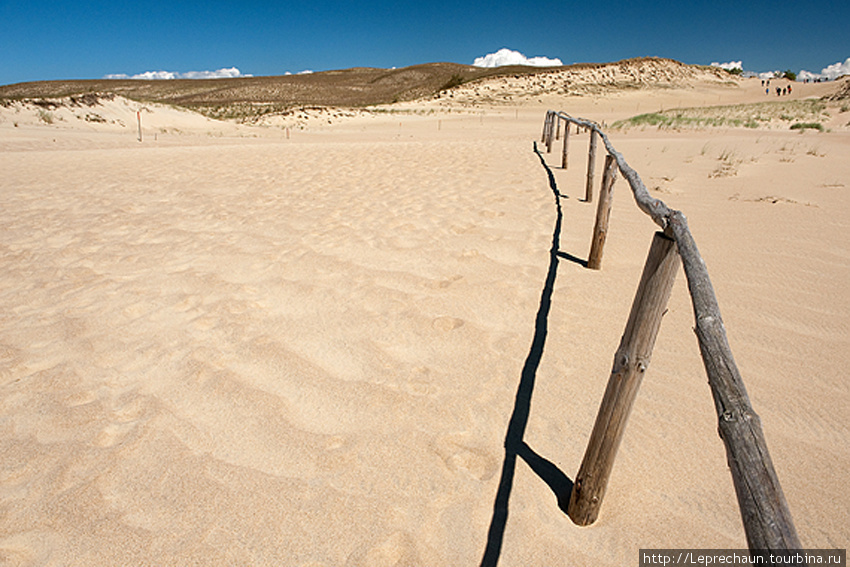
point(220, 351)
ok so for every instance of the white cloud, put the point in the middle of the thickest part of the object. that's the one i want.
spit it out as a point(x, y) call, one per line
point(831, 72)
point(507, 56)
point(730, 66)
point(230, 73)
point(837, 69)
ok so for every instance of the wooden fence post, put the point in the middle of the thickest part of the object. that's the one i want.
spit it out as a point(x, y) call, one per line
point(603, 213)
point(764, 510)
point(546, 127)
point(630, 364)
point(591, 166)
point(566, 146)
point(558, 129)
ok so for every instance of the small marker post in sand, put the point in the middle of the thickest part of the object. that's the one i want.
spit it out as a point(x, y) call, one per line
point(139, 119)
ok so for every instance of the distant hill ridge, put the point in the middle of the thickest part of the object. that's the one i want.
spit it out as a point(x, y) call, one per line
point(592, 79)
point(356, 87)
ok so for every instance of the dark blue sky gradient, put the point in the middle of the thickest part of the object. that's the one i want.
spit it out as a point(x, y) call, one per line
point(90, 39)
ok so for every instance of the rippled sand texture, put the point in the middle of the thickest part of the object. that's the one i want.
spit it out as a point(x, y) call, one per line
point(305, 351)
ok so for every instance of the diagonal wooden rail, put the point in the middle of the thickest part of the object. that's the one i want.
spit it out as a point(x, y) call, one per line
point(764, 511)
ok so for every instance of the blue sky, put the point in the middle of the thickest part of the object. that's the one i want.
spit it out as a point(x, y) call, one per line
point(88, 39)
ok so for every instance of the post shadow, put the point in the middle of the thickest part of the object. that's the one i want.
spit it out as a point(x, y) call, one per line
point(514, 444)
point(574, 259)
point(559, 483)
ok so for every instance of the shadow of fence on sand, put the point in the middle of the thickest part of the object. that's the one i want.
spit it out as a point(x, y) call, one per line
point(515, 446)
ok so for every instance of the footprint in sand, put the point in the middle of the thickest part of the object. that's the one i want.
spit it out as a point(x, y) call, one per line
point(188, 302)
point(419, 388)
point(113, 434)
point(204, 323)
point(125, 420)
point(447, 324)
point(443, 284)
point(458, 229)
point(136, 310)
point(420, 382)
point(396, 550)
point(457, 456)
point(132, 410)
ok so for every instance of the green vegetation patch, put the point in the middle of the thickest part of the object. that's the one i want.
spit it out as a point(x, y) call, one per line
point(753, 115)
point(807, 125)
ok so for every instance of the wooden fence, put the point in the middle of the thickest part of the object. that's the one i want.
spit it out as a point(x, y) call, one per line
point(764, 511)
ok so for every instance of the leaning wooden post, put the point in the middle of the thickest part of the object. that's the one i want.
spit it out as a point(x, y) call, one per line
point(551, 133)
point(591, 166)
point(603, 213)
point(566, 146)
point(630, 364)
point(764, 510)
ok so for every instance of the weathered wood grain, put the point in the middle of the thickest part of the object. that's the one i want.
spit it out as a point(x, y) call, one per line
point(764, 511)
point(603, 214)
point(591, 166)
point(630, 364)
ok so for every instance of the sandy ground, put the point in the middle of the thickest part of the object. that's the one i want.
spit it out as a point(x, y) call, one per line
point(227, 345)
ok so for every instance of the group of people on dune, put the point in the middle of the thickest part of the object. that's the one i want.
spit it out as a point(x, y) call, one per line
point(779, 90)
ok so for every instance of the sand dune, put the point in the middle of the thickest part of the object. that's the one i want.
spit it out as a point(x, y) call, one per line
point(355, 87)
point(242, 345)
